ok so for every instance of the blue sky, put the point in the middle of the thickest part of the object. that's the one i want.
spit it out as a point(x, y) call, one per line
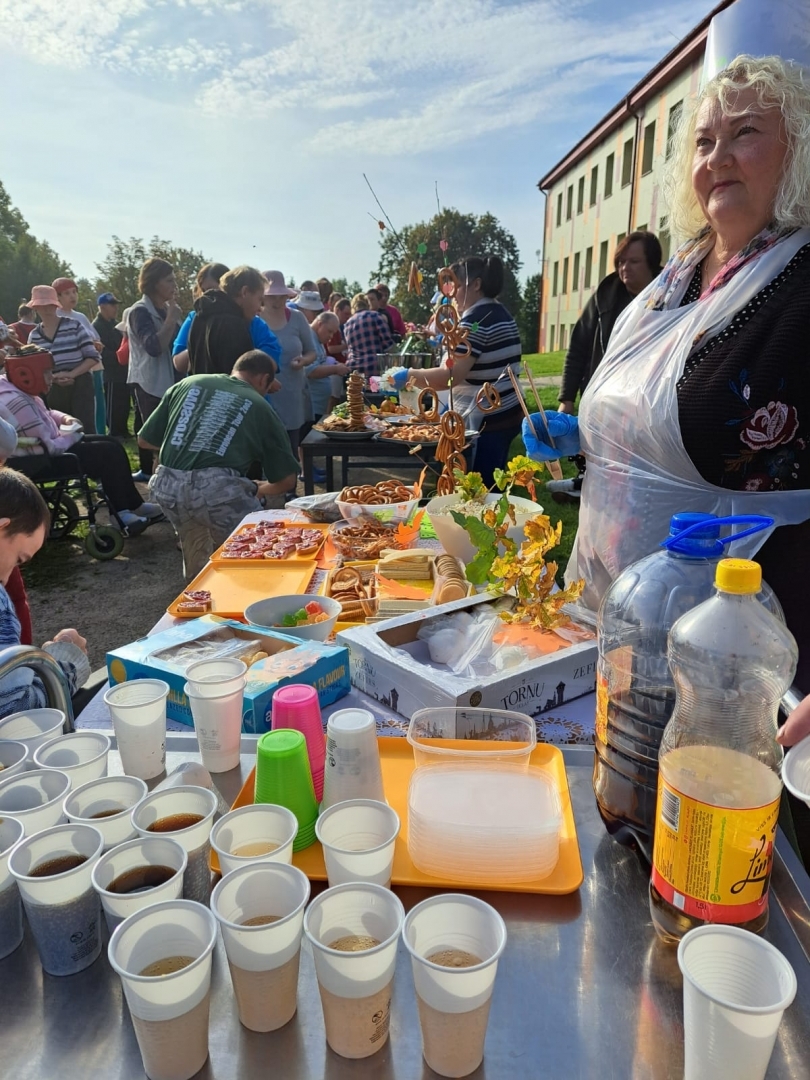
point(243, 128)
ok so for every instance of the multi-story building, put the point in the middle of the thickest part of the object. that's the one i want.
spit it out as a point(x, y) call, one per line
point(610, 184)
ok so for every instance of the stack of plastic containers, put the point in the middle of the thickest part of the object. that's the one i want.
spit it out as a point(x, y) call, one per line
point(478, 812)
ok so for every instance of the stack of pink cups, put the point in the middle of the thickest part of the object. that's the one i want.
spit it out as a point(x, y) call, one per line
point(296, 706)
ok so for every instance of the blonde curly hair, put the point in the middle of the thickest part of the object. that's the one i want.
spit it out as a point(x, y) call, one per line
point(777, 82)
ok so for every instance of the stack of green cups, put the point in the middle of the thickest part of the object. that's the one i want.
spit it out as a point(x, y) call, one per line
point(283, 777)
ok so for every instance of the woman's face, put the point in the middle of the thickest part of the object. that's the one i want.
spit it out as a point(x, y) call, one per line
point(166, 289)
point(633, 269)
point(275, 304)
point(738, 162)
point(17, 548)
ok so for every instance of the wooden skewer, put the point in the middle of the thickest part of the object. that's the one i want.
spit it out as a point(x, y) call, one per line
point(554, 467)
point(522, 403)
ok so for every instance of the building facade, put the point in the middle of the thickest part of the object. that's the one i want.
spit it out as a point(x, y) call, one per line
point(609, 184)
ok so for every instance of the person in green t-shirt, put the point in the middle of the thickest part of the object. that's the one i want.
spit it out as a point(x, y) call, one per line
point(210, 430)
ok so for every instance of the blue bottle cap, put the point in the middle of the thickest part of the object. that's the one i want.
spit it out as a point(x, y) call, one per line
point(701, 542)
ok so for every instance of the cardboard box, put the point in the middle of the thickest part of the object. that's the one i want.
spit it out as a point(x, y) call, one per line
point(393, 677)
point(326, 667)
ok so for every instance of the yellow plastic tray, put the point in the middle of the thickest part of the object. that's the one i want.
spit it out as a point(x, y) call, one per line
point(397, 761)
point(233, 588)
point(218, 559)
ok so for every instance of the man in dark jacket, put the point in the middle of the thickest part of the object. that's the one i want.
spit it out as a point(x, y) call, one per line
point(116, 391)
point(220, 333)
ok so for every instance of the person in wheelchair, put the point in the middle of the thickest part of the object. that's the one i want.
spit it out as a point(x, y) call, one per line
point(43, 431)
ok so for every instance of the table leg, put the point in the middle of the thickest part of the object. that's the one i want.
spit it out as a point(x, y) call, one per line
point(330, 473)
point(344, 470)
point(309, 476)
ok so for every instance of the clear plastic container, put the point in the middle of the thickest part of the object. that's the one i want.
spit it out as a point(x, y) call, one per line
point(720, 785)
point(635, 691)
point(489, 734)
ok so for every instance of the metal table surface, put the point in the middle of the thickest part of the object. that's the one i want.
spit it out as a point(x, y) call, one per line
point(356, 454)
point(584, 989)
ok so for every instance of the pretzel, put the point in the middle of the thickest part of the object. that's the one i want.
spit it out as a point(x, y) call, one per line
point(363, 540)
point(347, 575)
point(381, 494)
point(431, 414)
point(413, 433)
point(487, 399)
point(354, 397)
point(446, 319)
point(445, 485)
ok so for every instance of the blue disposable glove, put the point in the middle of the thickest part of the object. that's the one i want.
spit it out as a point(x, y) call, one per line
point(397, 377)
point(564, 430)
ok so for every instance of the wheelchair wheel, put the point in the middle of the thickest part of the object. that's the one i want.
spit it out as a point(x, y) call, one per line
point(104, 542)
point(65, 516)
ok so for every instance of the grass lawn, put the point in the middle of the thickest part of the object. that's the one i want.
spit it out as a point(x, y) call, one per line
point(545, 363)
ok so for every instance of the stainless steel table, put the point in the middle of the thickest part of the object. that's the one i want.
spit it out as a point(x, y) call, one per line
point(585, 991)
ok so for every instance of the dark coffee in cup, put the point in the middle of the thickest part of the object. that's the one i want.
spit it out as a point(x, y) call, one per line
point(174, 823)
point(141, 879)
point(59, 865)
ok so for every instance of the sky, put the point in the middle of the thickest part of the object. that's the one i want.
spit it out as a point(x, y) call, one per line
point(243, 128)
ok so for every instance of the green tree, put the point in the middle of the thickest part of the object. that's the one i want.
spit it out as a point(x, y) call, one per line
point(24, 260)
point(118, 271)
point(466, 234)
point(529, 319)
point(346, 287)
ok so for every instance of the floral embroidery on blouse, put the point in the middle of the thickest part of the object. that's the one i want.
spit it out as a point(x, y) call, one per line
point(766, 460)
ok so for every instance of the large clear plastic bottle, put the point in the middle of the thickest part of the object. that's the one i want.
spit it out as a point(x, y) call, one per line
point(635, 691)
point(719, 782)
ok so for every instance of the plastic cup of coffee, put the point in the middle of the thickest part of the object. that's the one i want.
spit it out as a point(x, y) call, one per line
point(358, 839)
point(455, 942)
point(354, 931)
point(212, 678)
point(138, 711)
point(82, 756)
point(352, 769)
point(107, 805)
point(35, 798)
point(163, 956)
point(736, 986)
point(296, 706)
point(33, 727)
point(138, 873)
point(218, 726)
point(11, 922)
point(14, 757)
point(253, 834)
point(185, 814)
point(53, 871)
point(283, 777)
point(260, 910)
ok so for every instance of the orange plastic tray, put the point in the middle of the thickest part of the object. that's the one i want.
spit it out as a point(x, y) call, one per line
point(233, 588)
point(219, 559)
point(397, 761)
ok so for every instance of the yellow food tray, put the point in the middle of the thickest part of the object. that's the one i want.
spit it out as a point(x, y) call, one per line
point(220, 560)
point(396, 757)
point(233, 588)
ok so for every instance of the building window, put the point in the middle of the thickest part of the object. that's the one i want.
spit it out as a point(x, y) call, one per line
point(594, 183)
point(627, 163)
point(581, 194)
point(575, 275)
point(565, 277)
point(664, 238)
point(620, 237)
point(649, 149)
point(551, 339)
point(569, 203)
point(555, 281)
point(642, 228)
point(672, 126)
point(610, 168)
point(588, 267)
point(559, 209)
point(603, 258)
point(562, 336)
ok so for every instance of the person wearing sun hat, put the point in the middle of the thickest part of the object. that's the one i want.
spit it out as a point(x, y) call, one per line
point(310, 303)
point(74, 357)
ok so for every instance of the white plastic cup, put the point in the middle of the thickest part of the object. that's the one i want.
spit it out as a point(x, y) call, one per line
point(138, 711)
point(11, 923)
point(355, 987)
point(14, 756)
point(33, 727)
point(155, 851)
point(112, 797)
point(82, 756)
point(352, 769)
point(454, 1001)
point(253, 827)
point(211, 678)
point(358, 840)
point(218, 725)
point(736, 986)
point(63, 910)
point(263, 958)
point(35, 798)
point(195, 839)
point(169, 1012)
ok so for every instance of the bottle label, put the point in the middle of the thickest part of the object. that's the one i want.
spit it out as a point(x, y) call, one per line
point(600, 725)
point(713, 862)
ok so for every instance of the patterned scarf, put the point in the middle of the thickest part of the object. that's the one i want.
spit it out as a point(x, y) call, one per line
point(674, 279)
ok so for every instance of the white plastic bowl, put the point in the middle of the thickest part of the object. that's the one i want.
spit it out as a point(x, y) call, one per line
point(796, 770)
point(269, 613)
point(455, 540)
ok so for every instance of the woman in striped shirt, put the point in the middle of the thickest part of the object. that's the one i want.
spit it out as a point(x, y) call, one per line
point(494, 346)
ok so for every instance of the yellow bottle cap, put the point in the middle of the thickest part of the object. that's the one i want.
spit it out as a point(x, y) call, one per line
point(738, 576)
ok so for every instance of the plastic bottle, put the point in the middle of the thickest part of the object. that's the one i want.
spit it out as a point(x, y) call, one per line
point(635, 691)
point(719, 783)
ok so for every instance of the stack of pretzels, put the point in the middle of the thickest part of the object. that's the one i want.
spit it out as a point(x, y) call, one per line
point(354, 397)
point(355, 592)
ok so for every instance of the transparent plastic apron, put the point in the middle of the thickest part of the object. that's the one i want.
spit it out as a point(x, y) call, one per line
point(639, 473)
